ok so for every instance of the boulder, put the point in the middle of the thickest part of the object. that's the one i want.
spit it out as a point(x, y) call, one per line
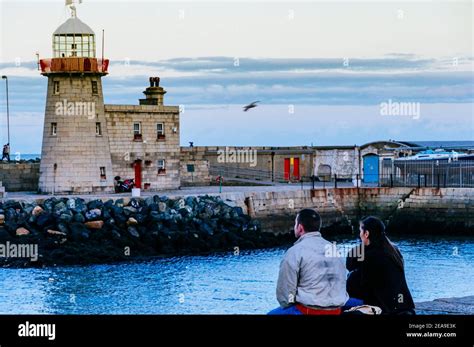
point(186, 211)
point(95, 204)
point(135, 203)
point(22, 231)
point(133, 231)
point(63, 228)
point(2, 219)
point(162, 207)
point(10, 214)
point(60, 208)
point(29, 207)
point(11, 204)
point(239, 211)
point(141, 218)
point(79, 232)
point(155, 216)
point(108, 204)
point(206, 228)
point(79, 218)
point(37, 211)
point(44, 219)
point(190, 201)
point(119, 203)
point(66, 217)
point(93, 214)
point(71, 204)
point(11, 225)
point(132, 221)
point(49, 204)
point(128, 210)
point(4, 235)
point(96, 224)
point(149, 201)
point(79, 206)
point(55, 232)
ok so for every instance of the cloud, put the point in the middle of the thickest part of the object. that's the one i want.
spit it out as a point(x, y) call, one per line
point(319, 81)
point(343, 102)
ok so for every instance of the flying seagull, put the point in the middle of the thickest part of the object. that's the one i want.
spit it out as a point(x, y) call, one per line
point(249, 106)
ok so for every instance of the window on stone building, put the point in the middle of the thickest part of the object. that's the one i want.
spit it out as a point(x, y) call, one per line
point(137, 131)
point(56, 87)
point(95, 89)
point(98, 129)
point(161, 167)
point(54, 129)
point(102, 173)
point(190, 167)
point(160, 131)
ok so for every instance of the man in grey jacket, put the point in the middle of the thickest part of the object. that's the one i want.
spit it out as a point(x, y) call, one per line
point(312, 280)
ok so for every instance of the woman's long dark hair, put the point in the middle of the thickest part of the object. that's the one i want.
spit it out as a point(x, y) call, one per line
point(378, 239)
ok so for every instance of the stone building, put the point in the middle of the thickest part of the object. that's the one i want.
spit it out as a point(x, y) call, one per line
point(86, 144)
point(144, 140)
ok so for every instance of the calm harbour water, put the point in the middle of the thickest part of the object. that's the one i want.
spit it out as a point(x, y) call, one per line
point(217, 284)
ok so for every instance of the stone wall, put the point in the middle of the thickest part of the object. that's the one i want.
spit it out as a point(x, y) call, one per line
point(127, 150)
point(409, 210)
point(194, 167)
point(19, 176)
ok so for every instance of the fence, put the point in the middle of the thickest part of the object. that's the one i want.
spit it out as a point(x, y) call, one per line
point(393, 173)
point(428, 173)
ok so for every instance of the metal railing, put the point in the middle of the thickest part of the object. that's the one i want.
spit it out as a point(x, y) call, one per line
point(435, 174)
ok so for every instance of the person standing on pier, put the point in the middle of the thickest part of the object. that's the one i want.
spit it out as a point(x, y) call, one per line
point(6, 152)
point(310, 282)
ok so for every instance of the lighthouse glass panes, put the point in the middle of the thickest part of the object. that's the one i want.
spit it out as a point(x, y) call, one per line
point(74, 45)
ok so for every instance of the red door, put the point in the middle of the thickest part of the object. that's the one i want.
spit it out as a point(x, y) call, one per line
point(296, 168)
point(287, 169)
point(138, 173)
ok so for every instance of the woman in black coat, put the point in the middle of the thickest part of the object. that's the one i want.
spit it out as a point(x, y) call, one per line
point(379, 279)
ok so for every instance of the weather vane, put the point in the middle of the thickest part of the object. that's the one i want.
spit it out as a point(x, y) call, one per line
point(71, 4)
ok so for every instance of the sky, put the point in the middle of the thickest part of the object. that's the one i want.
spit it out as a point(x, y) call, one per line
point(321, 70)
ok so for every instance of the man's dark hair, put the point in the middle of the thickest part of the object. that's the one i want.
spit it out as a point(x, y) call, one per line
point(309, 219)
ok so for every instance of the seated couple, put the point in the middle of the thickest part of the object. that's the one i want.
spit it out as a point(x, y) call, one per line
point(313, 281)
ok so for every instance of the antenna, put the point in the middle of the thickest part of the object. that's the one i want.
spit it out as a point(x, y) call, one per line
point(103, 35)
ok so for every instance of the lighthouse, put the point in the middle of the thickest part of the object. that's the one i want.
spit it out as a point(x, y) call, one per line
point(75, 156)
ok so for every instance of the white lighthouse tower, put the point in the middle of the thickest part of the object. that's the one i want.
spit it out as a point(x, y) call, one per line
point(75, 155)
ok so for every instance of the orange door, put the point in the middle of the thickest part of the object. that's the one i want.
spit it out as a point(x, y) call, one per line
point(286, 168)
point(296, 168)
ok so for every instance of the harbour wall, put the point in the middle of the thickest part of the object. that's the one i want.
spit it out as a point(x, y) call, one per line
point(403, 210)
point(20, 176)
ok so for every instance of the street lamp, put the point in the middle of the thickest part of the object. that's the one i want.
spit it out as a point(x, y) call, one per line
point(8, 110)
